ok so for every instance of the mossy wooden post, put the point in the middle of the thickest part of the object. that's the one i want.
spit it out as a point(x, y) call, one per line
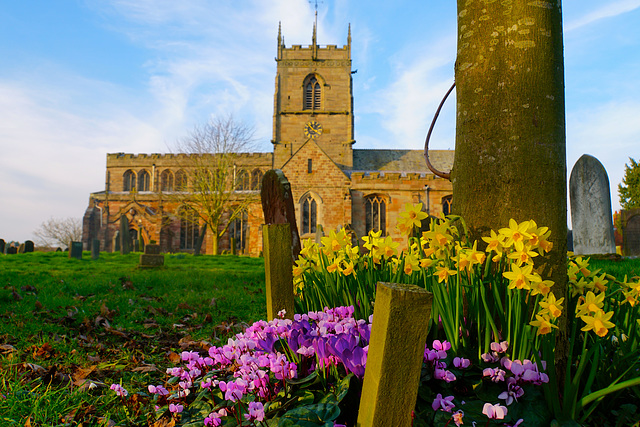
point(396, 349)
point(280, 242)
point(278, 269)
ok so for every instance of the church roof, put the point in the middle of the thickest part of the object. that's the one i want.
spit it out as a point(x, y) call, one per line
point(401, 160)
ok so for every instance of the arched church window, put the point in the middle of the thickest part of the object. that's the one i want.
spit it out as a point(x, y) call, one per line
point(129, 181)
point(243, 180)
point(375, 219)
point(166, 180)
point(181, 181)
point(312, 94)
point(189, 227)
point(308, 214)
point(238, 231)
point(144, 180)
point(446, 204)
point(256, 179)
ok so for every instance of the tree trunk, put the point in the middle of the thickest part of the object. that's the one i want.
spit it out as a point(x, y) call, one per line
point(198, 248)
point(510, 157)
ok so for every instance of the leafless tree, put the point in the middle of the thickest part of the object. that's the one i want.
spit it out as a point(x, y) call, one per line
point(58, 232)
point(213, 150)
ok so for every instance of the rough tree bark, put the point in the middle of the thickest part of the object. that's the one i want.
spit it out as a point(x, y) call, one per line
point(510, 159)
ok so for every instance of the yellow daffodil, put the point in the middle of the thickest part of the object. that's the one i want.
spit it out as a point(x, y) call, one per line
point(583, 266)
point(551, 306)
point(412, 215)
point(542, 288)
point(443, 273)
point(427, 262)
point(494, 242)
point(600, 283)
point(598, 322)
point(515, 234)
point(388, 247)
point(372, 241)
point(522, 256)
point(590, 303)
point(520, 278)
point(543, 324)
point(410, 264)
point(348, 268)
point(334, 242)
point(309, 249)
point(630, 297)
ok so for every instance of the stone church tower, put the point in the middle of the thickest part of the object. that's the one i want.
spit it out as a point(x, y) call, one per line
point(313, 100)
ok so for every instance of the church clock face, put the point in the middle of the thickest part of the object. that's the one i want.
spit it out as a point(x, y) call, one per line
point(312, 129)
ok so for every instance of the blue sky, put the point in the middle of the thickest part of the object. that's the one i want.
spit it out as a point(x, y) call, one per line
point(83, 78)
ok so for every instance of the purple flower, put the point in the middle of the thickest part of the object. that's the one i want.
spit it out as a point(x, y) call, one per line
point(175, 409)
point(443, 403)
point(494, 412)
point(256, 411)
point(496, 375)
point(500, 347)
point(461, 363)
point(443, 374)
point(158, 389)
point(514, 391)
point(120, 391)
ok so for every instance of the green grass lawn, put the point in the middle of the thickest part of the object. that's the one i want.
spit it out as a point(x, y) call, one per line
point(72, 327)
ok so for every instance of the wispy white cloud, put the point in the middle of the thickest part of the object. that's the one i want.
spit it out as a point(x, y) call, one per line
point(609, 132)
point(607, 10)
point(406, 106)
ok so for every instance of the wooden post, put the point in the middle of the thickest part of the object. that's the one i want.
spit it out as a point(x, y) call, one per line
point(278, 269)
point(396, 349)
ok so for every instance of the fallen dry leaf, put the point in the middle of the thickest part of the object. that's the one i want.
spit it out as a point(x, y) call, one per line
point(145, 368)
point(173, 357)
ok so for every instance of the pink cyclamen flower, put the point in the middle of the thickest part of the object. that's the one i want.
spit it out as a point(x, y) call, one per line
point(175, 409)
point(158, 389)
point(461, 363)
point(443, 403)
point(120, 391)
point(256, 411)
point(494, 412)
point(496, 375)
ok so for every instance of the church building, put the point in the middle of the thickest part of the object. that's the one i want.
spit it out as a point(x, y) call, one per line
point(334, 184)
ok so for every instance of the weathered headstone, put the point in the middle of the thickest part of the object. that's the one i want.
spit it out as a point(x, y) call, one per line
point(277, 205)
point(630, 220)
point(95, 249)
point(21, 248)
point(232, 245)
point(75, 250)
point(125, 237)
point(28, 246)
point(2, 246)
point(151, 257)
point(591, 216)
point(11, 249)
point(396, 352)
point(136, 246)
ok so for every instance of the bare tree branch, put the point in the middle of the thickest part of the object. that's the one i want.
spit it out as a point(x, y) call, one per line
point(58, 232)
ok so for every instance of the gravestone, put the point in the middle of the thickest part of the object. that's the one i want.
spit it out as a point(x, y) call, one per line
point(125, 237)
point(151, 257)
point(277, 205)
point(28, 246)
point(591, 217)
point(95, 249)
point(75, 250)
point(630, 232)
point(2, 246)
point(11, 249)
point(21, 248)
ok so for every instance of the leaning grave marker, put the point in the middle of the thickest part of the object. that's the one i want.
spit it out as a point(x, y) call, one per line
point(591, 217)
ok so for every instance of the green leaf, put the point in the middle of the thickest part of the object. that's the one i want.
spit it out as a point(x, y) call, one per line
point(321, 414)
point(308, 379)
